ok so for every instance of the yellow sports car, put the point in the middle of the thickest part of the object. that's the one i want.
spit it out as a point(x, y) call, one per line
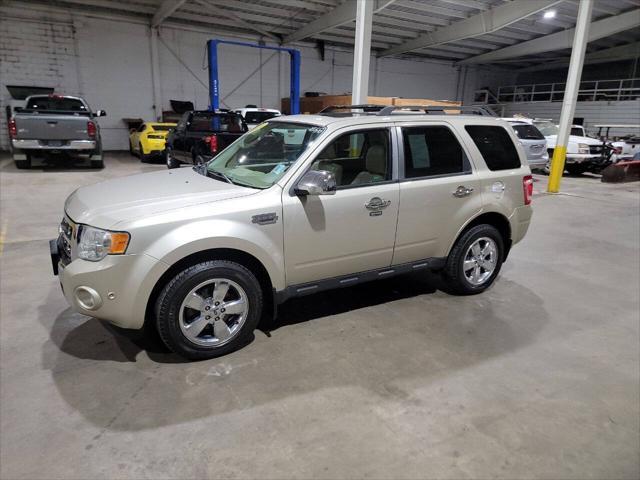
point(148, 139)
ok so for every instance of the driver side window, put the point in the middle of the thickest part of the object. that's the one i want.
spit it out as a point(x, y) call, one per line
point(357, 158)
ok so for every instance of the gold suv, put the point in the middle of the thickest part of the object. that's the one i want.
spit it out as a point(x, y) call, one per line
point(300, 204)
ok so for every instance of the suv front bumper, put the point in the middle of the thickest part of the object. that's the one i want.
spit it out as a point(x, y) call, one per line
point(115, 289)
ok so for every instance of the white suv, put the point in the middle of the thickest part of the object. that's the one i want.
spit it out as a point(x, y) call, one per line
point(301, 204)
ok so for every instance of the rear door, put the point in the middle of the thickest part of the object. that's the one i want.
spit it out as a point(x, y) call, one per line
point(439, 190)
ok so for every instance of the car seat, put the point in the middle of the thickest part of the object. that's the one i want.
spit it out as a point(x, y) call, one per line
point(376, 166)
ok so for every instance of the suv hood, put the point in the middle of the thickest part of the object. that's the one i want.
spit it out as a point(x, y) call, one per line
point(108, 203)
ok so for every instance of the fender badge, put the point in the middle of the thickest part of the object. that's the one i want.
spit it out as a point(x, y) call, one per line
point(265, 218)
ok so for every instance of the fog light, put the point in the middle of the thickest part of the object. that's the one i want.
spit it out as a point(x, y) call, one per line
point(88, 298)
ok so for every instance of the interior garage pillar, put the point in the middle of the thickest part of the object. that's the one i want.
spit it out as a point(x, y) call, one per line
point(580, 40)
point(362, 52)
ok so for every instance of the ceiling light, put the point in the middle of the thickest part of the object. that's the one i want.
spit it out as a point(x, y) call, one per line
point(549, 14)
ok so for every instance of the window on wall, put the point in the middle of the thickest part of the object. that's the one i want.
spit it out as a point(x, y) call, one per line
point(358, 158)
point(495, 145)
point(431, 151)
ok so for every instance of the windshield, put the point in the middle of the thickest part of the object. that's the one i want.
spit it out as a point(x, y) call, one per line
point(547, 128)
point(42, 104)
point(261, 157)
point(527, 132)
point(258, 117)
point(577, 131)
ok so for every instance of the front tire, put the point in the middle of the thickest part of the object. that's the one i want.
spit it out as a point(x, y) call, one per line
point(475, 260)
point(209, 309)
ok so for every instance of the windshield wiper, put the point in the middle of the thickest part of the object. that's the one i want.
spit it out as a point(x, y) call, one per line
point(203, 170)
point(216, 173)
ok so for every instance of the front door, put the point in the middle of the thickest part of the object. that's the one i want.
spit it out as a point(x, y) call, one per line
point(354, 230)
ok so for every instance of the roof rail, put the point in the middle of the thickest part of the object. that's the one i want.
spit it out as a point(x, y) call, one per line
point(429, 109)
point(367, 107)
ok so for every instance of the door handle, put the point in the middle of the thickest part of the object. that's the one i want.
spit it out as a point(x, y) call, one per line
point(376, 203)
point(462, 191)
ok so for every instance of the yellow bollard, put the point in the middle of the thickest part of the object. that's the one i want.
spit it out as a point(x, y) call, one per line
point(557, 169)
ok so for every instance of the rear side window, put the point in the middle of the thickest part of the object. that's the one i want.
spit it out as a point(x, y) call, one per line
point(495, 145)
point(430, 151)
point(527, 132)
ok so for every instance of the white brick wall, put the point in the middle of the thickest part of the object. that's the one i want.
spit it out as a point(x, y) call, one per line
point(35, 53)
point(108, 63)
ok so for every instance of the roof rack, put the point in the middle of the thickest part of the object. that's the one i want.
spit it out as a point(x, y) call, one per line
point(438, 109)
point(366, 108)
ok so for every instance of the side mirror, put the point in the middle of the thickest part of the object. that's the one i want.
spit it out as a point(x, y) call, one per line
point(316, 182)
point(132, 130)
point(101, 113)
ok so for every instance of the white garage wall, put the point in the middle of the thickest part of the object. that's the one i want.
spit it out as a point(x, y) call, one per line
point(107, 61)
point(594, 113)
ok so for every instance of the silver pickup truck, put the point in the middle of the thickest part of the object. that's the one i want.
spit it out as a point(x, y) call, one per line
point(55, 125)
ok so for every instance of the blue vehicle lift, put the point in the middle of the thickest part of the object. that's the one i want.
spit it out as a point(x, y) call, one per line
point(214, 82)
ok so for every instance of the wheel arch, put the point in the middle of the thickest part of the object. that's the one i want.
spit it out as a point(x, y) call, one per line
point(495, 219)
point(232, 254)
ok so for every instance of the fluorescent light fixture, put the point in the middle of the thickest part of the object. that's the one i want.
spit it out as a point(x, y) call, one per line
point(549, 14)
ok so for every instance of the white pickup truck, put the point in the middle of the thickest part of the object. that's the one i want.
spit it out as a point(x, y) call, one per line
point(583, 153)
point(54, 125)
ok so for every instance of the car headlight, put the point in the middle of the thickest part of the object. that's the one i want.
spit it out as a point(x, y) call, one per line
point(583, 148)
point(94, 244)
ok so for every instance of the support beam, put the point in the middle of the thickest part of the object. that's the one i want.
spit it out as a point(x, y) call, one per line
point(342, 14)
point(239, 22)
point(622, 52)
point(165, 10)
point(486, 22)
point(155, 74)
point(561, 40)
point(362, 52)
point(580, 40)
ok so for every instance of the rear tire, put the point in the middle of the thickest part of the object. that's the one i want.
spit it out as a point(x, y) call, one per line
point(143, 158)
point(24, 164)
point(196, 299)
point(475, 260)
point(170, 159)
point(97, 164)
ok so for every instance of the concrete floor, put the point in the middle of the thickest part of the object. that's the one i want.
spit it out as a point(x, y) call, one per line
point(538, 377)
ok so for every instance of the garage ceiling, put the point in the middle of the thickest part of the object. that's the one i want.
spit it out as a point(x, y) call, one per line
point(424, 28)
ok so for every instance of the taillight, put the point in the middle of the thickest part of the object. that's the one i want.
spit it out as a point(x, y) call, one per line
point(527, 187)
point(13, 130)
point(91, 129)
point(212, 141)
